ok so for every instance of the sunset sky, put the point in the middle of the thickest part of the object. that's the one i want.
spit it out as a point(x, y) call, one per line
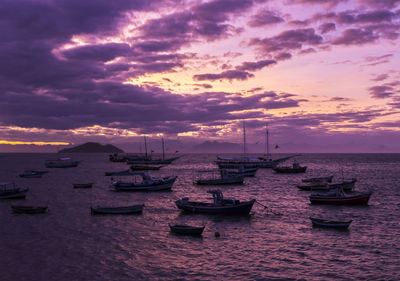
point(324, 74)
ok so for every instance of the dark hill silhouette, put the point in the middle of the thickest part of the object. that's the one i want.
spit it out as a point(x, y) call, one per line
point(92, 147)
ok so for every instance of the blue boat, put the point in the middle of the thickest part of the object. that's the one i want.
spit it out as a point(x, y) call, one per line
point(219, 206)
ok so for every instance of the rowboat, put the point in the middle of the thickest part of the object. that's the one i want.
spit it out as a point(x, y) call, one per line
point(218, 206)
point(32, 174)
point(240, 172)
point(148, 183)
point(338, 197)
point(296, 168)
point(120, 173)
point(145, 167)
point(83, 185)
point(65, 162)
point(153, 161)
point(134, 209)
point(314, 186)
point(318, 179)
point(225, 178)
point(9, 191)
point(347, 185)
point(330, 223)
point(28, 209)
point(186, 229)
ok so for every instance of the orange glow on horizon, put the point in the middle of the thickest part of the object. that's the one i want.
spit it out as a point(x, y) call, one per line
point(40, 143)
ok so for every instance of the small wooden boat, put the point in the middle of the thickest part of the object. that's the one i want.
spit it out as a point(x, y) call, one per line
point(65, 162)
point(240, 172)
point(20, 209)
point(330, 223)
point(318, 179)
point(225, 178)
point(314, 186)
point(153, 161)
point(32, 174)
point(296, 168)
point(9, 191)
point(120, 173)
point(186, 229)
point(148, 183)
point(338, 197)
point(83, 185)
point(219, 206)
point(134, 209)
point(145, 167)
point(346, 185)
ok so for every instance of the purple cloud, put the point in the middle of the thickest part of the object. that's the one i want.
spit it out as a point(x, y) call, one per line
point(355, 37)
point(381, 92)
point(229, 75)
point(253, 66)
point(287, 40)
point(264, 17)
point(283, 56)
point(103, 52)
point(327, 27)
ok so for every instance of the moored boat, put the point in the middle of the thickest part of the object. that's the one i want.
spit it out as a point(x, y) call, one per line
point(240, 172)
point(218, 206)
point(296, 168)
point(30, 174)
point(186, 229)
point(148, 183)
point(64, 162)
point(120, 173)
point(338, 197)
point(346, 185)
point(21, 209)
point(318, 179)
point(134, 209)
point(330, 223)
point(9, 191)
point(224, 179)
point(82, 185)
point(145, 167)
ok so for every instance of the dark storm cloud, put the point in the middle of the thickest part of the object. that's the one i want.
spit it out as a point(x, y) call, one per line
point(265, 17)
point(287, 40)
point(102, 52)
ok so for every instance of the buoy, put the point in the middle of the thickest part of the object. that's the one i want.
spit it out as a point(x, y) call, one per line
point(216, 234)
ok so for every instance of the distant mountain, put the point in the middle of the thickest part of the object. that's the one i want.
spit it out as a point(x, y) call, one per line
point(218, 147)
point(92, 147)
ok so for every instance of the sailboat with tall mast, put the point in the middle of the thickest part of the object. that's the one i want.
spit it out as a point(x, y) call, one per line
point(250, 162)
point(151, 161)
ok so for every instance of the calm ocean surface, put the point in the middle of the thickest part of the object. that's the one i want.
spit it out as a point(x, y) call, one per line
point(68, 243)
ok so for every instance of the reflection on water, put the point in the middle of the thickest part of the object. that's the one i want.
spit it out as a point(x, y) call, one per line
point(69, 244)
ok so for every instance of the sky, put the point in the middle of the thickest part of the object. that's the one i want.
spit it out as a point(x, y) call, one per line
point(323, 74)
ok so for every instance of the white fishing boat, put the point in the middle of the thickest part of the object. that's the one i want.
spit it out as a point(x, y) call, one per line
point(246, 161)
point(147, 183)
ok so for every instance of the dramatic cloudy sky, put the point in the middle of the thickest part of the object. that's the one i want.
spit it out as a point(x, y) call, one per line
point(322, 73)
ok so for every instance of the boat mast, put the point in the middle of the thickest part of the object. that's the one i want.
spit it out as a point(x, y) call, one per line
point(163, 150)
point(267, 141)
point(145, 146)
point(244, 139)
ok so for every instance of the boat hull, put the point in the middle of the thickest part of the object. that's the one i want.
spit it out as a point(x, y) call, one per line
point(290, 170)
point(219, 181)
point(196, 207)
point(128, 186)
point(361, 199)
point(56, 164)
point(135, 209)
point(330, 224)
point(82, 185)
point(186, 229)
point(29, 209)
point(20, 194)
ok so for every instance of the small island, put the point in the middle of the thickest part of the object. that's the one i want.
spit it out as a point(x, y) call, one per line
point(92, 147)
